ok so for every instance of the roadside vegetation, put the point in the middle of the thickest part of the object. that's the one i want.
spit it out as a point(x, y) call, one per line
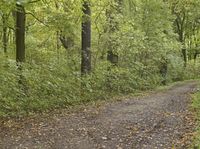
point(56, 54)
point(196, 107)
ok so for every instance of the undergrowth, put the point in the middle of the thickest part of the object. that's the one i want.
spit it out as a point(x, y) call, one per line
point(45, 87)
point(196, 107)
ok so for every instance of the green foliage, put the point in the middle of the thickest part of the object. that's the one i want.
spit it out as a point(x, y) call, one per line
point(196, 107)
point(141, 32)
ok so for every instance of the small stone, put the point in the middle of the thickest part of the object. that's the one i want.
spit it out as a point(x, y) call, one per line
point(104, 138)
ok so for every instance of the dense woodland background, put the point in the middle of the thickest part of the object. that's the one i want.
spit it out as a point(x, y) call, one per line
point(58, 53)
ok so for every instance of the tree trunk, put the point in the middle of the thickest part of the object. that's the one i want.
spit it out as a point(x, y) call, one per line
point(163, 71)
point(112, 55)
point(20, 18)
point(86, 39)
point(5, 40)
point(195, 56)
point(184, 52)
point(20, 33)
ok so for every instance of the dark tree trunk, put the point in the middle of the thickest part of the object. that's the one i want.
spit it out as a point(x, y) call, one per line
point(20, 33)
point(112, 57)
point(195, 56)
point(163, 71)
point(20, 18)
point(184, 52)
point(86, 39)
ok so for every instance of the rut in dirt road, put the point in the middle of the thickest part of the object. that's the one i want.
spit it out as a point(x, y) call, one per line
point(160, 120)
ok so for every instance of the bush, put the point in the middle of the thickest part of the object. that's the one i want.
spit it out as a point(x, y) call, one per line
point(48, 86)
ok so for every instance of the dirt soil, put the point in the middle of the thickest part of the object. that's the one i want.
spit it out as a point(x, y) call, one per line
point(159, 120)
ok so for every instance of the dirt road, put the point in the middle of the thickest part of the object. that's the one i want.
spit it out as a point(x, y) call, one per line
point(160, 120)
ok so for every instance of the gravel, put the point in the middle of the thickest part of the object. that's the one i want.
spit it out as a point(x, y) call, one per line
point(161, 120)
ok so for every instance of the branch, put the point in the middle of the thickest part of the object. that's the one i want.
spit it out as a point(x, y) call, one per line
point(35, 1)
point(37, 19)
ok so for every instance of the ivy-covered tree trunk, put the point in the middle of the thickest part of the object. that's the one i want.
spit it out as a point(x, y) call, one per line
point(86, 39)
point(20, 33)
point(115, 10)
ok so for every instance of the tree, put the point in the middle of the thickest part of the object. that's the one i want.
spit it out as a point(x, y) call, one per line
point(20, 33)
point(86, 38)
point(186, 13)
point(4, 14)
point(113, 26)
point(5, 30)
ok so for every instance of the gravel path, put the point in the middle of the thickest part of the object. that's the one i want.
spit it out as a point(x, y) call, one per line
point(160, 120)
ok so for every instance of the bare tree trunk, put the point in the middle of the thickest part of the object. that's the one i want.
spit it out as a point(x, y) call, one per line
point(184, 52)
point(20, 33)
point(86, 39)
point(20, 18)
point(195, 56)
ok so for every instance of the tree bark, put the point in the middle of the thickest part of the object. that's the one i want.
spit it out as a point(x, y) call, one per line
point(195, 55)
point(184, 52)
point(5, 40)
point(86, 39)
point(20, 33)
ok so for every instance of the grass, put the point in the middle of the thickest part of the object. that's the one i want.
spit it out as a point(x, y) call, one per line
point(45, 106)
point(115, 98)
point(196, 108)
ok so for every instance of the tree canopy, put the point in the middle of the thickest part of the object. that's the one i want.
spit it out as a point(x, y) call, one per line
point(56, 53)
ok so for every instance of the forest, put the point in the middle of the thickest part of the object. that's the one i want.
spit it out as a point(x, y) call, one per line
point(57, 53)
